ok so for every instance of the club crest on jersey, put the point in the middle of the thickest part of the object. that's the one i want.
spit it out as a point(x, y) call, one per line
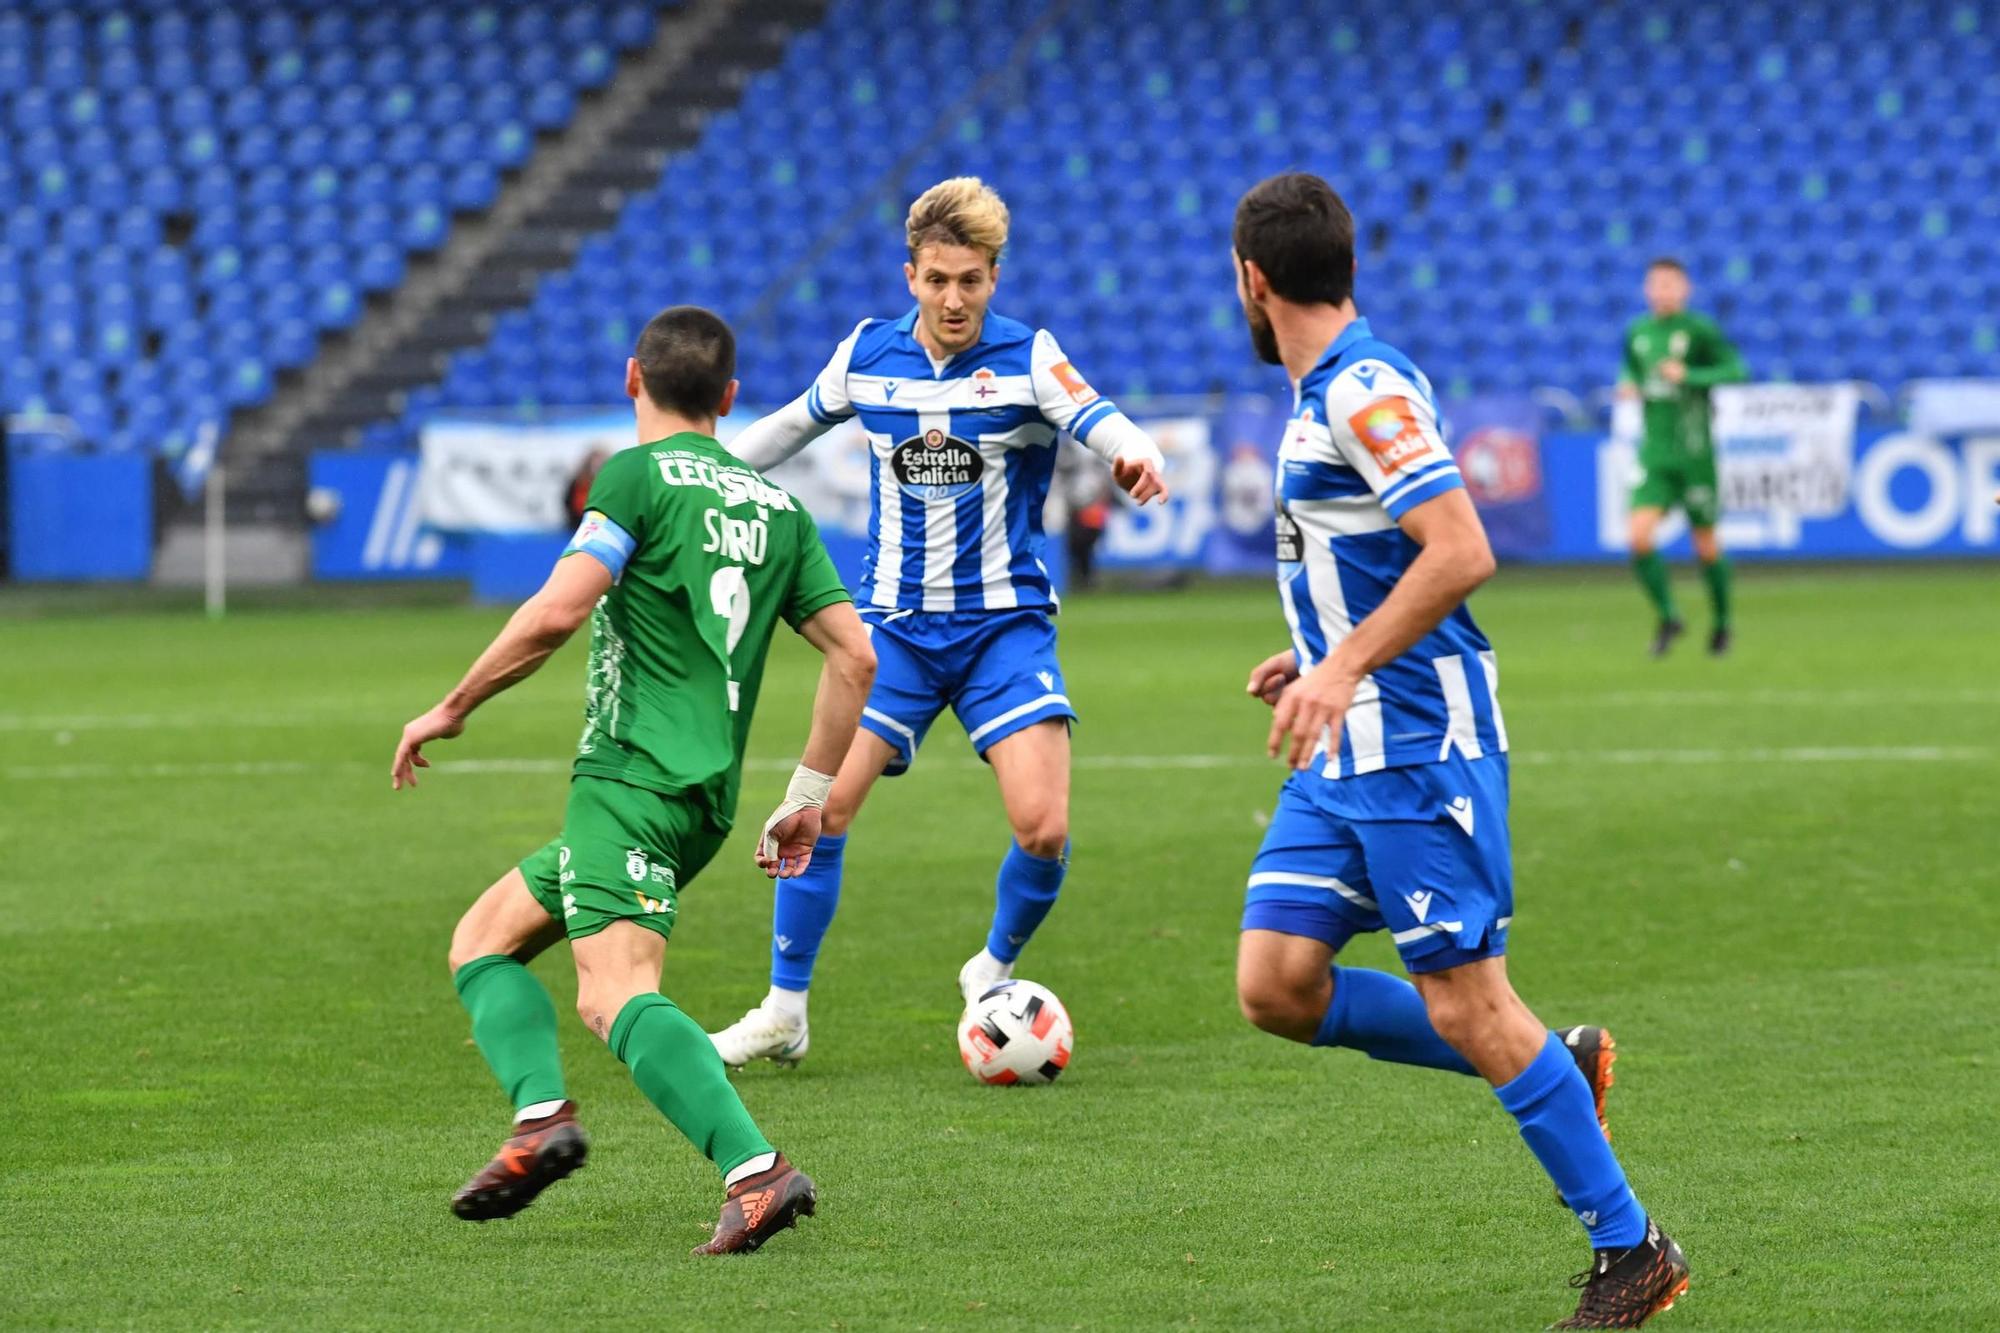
point(1391, 433)
point(1073, 384)
point(982, 382)
point(936, 466)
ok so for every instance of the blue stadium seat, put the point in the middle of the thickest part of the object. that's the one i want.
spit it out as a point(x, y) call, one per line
point(1826, 174)
point(381, 267)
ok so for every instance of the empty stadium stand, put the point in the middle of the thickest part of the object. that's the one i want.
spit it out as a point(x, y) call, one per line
point(196, 195)
point(193, 194)
point(1826, 171)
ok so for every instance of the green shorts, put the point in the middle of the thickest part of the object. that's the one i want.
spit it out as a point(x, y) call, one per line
point(1688, 484)
point(623, 855)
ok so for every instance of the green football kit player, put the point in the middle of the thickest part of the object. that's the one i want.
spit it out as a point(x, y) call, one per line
point(684, 564)
point(1673, 357)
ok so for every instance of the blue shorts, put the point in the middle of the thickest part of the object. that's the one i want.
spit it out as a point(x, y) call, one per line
point(1420, 851)
point(997, 670)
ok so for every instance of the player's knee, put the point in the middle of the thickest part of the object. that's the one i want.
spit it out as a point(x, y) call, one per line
point(466, 944)
point(1462, 1016)
point(597, 1012)
point(1271, 1005)
point(1044, 833)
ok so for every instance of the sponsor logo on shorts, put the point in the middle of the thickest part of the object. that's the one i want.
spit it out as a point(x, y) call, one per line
point(655, 906)
point(569, 905)
point(635, 865)
point(1420, 903)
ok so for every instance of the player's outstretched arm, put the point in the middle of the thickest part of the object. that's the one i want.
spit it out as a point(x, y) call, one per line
point(1068, 403)
point(770, 440)
point(1136, 462)
point(1455, 559)
point(537, 628)
point(785, 848)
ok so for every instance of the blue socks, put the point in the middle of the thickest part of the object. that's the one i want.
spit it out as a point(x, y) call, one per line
point(1558, 1122)
point(1384, 1017)
point(1024, 893)
point(803, 910)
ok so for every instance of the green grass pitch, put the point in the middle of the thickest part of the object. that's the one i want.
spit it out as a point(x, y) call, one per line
point(237, 1088)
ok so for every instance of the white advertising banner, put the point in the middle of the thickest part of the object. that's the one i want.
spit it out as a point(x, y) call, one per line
point(501, 476)
point(1954, 407)
point(1785, 449)
point(508, 476)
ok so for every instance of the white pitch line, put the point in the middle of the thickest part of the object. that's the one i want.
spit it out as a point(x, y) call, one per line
point(266, 768)
point(386, 715)
point(1789, 754)
point(1761, 698)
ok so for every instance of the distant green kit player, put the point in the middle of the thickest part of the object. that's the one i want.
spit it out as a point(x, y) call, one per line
point(1673, 357)
point(684, 563)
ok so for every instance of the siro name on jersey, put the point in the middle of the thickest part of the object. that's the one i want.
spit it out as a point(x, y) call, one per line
point(736, 486)
point(740, 539)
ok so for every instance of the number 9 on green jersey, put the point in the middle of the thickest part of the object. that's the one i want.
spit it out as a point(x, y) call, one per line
point(706, 556)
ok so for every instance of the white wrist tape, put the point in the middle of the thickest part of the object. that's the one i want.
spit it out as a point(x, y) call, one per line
point(1116, 438)
point(808, 791)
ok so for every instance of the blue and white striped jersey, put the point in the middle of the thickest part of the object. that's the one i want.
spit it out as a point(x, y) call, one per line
point(962, 454)
point(1361, 450)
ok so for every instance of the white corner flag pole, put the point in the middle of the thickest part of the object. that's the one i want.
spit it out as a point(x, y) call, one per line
point(212, 535)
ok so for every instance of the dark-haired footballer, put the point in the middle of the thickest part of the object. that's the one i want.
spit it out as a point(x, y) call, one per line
point(684, 562)
point(1387, 707)
point(1673, 357)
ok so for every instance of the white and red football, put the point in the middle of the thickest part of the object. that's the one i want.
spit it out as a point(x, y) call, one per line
point(1018, 1033)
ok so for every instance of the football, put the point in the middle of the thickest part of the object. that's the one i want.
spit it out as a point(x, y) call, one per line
point(1016, 1033)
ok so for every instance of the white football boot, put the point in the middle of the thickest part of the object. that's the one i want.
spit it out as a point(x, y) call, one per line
point(981, 973)
point(762, 1034)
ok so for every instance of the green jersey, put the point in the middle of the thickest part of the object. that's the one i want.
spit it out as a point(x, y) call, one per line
point(1677, 415)
point(706, 556)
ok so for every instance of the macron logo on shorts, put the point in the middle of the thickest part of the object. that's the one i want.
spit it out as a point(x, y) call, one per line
point(1460, 810)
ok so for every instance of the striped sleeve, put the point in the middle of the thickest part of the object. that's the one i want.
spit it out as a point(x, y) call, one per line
point(827, 399)
point(1384, 426)
point(1064, 397)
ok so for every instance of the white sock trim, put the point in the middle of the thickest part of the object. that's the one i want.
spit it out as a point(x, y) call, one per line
point(763, 1161)
point(787, 1003)
point(537, 1111)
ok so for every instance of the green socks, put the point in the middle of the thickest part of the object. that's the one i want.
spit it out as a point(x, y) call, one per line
point(675, 1065)
point(671, 1058)
point(1718, 576)
point(514, 1024)
point(1651, 570)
